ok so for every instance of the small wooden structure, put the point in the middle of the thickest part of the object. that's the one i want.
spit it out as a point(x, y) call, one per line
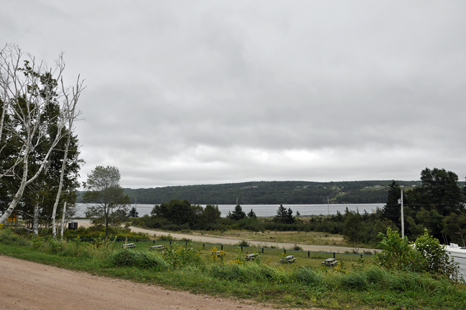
point(128, 245)
point(288, 259)
point(330, 262)
point(252, 256)
point(157, 247)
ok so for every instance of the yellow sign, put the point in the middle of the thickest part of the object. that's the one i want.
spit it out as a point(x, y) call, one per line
point(13, 217)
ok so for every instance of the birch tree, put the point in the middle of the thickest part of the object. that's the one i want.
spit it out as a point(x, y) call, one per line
point(71, 98)
point(28, 91)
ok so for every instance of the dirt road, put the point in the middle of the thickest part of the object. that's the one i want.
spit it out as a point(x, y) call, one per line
point(32, 286)
point(217, 240)
point(200, 238)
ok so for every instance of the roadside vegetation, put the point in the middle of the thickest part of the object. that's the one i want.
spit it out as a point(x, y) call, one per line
point(390, 280)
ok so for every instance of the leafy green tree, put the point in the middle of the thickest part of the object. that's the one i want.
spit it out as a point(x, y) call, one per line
point(210, 215)
point(34, 110)
point(354, 228)
point(103, 189)
point(439, 190)
point(426, 254)
point(178, 212)
point(237, 214)
point(455, 227)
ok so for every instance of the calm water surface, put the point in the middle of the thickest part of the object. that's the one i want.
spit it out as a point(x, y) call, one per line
point(266, 210)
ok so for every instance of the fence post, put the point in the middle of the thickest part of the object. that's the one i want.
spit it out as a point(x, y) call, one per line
point(186, 244)
point(221, 247)
point(333, 254)
point(284, 251)
point(203, 246)
point(308, 254)
point(262, 250)
point(170, 243)
point(361, 256)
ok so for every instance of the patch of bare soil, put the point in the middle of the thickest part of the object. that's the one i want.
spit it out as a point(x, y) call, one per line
point(32, 286)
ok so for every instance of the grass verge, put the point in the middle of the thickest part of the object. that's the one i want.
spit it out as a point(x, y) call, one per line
point(365, 286)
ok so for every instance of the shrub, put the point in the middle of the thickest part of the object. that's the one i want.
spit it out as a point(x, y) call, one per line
point(425, 254)
point(141, 259)
point(309, 276)
point(178, 256)
point(8, 237)
point(243, 243)
point(354, 281)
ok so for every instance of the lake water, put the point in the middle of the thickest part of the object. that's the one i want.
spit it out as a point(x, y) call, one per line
point(266, 210)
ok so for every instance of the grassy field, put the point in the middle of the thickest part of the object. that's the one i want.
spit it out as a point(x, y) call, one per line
point(352, 285)
point(311, 238)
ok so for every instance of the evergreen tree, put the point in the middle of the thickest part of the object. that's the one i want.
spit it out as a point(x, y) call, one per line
point(392, 209)
point(252, 214)
point(237, 214)
point(133, 212)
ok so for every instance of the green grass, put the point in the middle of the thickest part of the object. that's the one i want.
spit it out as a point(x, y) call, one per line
point(348, 286)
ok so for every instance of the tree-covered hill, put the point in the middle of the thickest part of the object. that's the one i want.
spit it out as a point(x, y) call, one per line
point(277, 192)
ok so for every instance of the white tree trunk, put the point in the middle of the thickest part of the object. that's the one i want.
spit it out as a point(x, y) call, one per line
point(31, 130)
point(35, 219)
point(70, 103)
point(63, 220)
point(60, 185)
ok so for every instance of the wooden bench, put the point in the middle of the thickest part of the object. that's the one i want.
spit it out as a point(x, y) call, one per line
point(157, 247)
point(330, 262)
point(289, 259)
point(252, 256)
point(128, 245)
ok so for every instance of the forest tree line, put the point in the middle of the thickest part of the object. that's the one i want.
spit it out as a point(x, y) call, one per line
point(277, 192)
point(436, 205)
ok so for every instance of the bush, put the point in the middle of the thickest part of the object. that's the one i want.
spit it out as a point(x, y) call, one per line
point(141, 259)
point(425, 254)
point(243, 243)
point(8, 237)
point(178, 256)
point(309, 276)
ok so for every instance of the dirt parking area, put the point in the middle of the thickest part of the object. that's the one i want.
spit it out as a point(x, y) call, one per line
point(30, 286)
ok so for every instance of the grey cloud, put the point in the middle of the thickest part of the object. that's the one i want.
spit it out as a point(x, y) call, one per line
point(211, 92)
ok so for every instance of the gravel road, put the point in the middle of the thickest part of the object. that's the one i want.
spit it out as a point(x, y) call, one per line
point(26, 285)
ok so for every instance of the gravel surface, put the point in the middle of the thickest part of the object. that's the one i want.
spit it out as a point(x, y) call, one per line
point(32, 286)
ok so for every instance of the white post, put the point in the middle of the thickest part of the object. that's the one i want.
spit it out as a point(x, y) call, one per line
point(63, 220)
point(402, 217)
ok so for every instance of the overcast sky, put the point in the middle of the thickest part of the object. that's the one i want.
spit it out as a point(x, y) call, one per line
point(208, 92)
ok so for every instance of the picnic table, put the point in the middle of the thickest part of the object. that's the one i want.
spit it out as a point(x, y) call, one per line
point(252, 256)
point(330, 262)
point(157, 247)
point(128, 245)
point(289, 259)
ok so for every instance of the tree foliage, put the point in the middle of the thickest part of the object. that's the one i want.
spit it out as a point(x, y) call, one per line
point(237, 214)
point(104, 190)
point(425, 254)
point(35, 113)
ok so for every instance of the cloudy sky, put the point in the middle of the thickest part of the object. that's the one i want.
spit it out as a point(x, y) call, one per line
point(207, 92)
